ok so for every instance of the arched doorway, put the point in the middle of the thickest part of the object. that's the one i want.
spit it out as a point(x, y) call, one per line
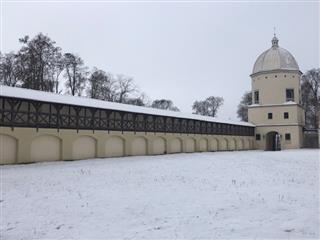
point(273, 141)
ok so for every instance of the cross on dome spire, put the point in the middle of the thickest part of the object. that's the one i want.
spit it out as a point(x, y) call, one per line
point(274, 40)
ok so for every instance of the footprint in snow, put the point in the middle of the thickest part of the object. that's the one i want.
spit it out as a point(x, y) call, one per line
point(58, 227)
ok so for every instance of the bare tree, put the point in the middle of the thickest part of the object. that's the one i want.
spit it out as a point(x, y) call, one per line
point(56, 71)
point(208, 107)
point(8, 71)
point(76, 73)
point(310, 96)
point(242, 111)
point(165, 104)
point(125, 88)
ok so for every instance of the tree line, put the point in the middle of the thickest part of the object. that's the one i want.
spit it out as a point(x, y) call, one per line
point(310, 99)
point(42, 65)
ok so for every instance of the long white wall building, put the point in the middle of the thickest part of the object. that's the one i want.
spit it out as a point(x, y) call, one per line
point(39, 126)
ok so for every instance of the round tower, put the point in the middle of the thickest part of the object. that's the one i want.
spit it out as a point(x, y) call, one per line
point(276, 109)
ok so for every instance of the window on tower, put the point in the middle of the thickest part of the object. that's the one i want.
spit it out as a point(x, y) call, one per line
point(256, 97)
point(289, 95)
point(287, 136)
point(269, 115)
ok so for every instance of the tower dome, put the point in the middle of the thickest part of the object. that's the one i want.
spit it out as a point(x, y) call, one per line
point(275, 58)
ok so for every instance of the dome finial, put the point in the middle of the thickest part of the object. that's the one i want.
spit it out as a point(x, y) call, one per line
point(274, 39)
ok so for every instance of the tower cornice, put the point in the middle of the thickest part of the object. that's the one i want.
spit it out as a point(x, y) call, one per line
point(276, 71)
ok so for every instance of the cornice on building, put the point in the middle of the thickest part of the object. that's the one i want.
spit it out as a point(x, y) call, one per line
point(276, 71)
point(286, 104)
point(279, 125)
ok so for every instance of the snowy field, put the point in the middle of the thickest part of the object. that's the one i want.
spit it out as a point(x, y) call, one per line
point(248, 194)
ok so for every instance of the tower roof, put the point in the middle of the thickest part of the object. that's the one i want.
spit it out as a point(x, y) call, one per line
point(275, 58)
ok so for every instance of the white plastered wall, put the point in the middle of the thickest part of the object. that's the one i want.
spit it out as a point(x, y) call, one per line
point(25, 145)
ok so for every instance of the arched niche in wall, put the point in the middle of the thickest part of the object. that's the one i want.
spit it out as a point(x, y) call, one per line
point(190, 145)
point(247, 144)
point(159, 146)
point(84, 147)
point(8, 149)
point(232, 145)
point(223, 144)
point(240, 144)
point(114, 147)
point(203, 145)
point(214, 144)
point(139, 146)
point(45, 148)
point(175, 145)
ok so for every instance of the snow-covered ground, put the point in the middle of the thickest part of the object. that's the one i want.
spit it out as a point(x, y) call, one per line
point(248, 194)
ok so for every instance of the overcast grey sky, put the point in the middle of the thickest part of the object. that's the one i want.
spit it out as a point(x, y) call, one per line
point(180, 51)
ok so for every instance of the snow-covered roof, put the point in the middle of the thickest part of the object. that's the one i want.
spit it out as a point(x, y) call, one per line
point(89, 102)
